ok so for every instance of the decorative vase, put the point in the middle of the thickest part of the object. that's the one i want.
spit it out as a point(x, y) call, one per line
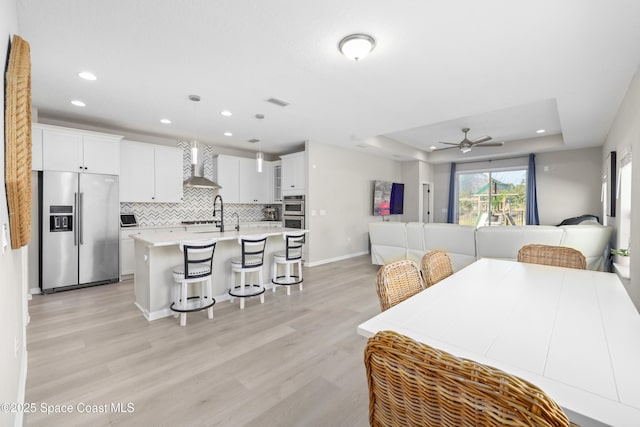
point(621, 260)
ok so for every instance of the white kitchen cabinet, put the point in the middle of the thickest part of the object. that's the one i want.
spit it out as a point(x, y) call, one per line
point(240, 181)
point(101, 154)
point(36, 148)
point(293, 174)
point(228, 177)
point(168, 174)
point(255, 187)
point(276, 180)
point(150, 173)
point(73, 150)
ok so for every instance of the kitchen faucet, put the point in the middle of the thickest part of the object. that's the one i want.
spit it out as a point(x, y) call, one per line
point(221, 223)
point(237, 221)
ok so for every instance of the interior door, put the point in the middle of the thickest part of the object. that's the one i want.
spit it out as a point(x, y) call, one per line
point(426, 203)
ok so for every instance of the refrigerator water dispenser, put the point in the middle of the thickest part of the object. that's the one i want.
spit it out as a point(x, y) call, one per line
point(61, 218)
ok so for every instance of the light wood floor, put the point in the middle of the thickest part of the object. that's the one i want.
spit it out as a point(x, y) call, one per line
point(294, 361)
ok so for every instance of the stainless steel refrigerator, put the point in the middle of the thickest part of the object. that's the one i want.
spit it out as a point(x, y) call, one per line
point(79, 228)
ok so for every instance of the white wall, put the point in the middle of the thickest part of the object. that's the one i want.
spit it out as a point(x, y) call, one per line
point(568, 184)
point(414, 174)
point(13, 287)
point(625, 132)
point(340, 185)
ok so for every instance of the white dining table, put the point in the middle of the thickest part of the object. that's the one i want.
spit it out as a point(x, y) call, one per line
point(573, 333)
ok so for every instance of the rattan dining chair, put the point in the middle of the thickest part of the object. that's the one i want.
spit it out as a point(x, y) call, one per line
point(397, 281)
point(559, 256)
point(436, 265)
point(413, 384)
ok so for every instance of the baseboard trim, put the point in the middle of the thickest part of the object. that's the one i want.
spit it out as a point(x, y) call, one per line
point(330, 260)
point(22, 387)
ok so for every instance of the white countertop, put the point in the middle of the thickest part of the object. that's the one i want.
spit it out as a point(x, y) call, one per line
point(195, 226)
point(169, 238)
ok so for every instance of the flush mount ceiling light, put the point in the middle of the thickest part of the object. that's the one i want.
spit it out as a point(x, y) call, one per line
point(357, 46)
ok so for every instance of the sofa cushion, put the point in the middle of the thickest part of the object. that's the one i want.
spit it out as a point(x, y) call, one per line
point(458, 241)
point(504, 242)
point(388, 241)
point(592, 240)
point(415, 241)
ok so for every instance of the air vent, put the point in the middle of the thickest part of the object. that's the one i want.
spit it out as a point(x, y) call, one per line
point(278, 102)
point(254, 140)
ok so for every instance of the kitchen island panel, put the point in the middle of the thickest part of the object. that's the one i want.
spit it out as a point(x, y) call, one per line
point(157, 253)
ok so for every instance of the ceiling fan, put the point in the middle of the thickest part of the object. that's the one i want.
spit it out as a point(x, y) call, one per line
point(465, 145)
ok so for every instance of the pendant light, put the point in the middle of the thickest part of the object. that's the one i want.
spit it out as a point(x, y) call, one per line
point(259, 161)
point(259, 154)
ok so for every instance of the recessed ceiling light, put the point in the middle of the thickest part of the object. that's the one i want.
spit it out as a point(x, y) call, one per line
point(78, 103)
point(433, 147)
point(165, 121)
point(541, 131)
point(228, 134)
point(87, 75)
point(226, 113)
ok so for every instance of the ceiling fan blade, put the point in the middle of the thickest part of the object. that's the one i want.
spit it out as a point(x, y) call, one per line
point(481, 139)
point(449, 143)
point(491, 144)
point(445, 148)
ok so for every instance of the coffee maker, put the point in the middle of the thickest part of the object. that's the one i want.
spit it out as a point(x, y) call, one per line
point(270, 213)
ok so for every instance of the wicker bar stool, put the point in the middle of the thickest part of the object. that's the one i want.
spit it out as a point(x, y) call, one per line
point(398, 281)
point(251, 261)
point(413, 384)
point(196, 268)
point(436, 265)
point(559, 256)
point(290, 257)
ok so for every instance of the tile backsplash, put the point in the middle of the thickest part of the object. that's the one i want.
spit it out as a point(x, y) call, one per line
point(197, 203)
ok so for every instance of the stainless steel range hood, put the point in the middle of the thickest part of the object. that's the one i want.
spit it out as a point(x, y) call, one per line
point(196, 180)
point(199, 181)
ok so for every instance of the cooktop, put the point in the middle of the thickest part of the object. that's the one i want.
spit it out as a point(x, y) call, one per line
point(199, 221)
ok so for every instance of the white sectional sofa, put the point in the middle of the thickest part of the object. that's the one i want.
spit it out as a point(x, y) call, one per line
point(391, 241)
point(391, 238)
point(505, 242)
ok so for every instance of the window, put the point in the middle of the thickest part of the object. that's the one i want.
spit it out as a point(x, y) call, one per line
point(624, 195)
point(492, 197)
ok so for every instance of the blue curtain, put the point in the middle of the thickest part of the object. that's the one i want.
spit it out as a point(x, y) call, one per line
point(532, 201)
point(452, 195)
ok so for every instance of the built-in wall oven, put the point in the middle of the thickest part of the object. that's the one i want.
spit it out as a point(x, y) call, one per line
point(293, 205)
point(293, 212)
point(293, 221)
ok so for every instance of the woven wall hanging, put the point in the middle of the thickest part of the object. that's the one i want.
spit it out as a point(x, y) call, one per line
point(18, 141)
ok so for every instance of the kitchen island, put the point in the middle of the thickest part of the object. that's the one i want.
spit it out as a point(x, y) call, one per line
point(157, 253)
